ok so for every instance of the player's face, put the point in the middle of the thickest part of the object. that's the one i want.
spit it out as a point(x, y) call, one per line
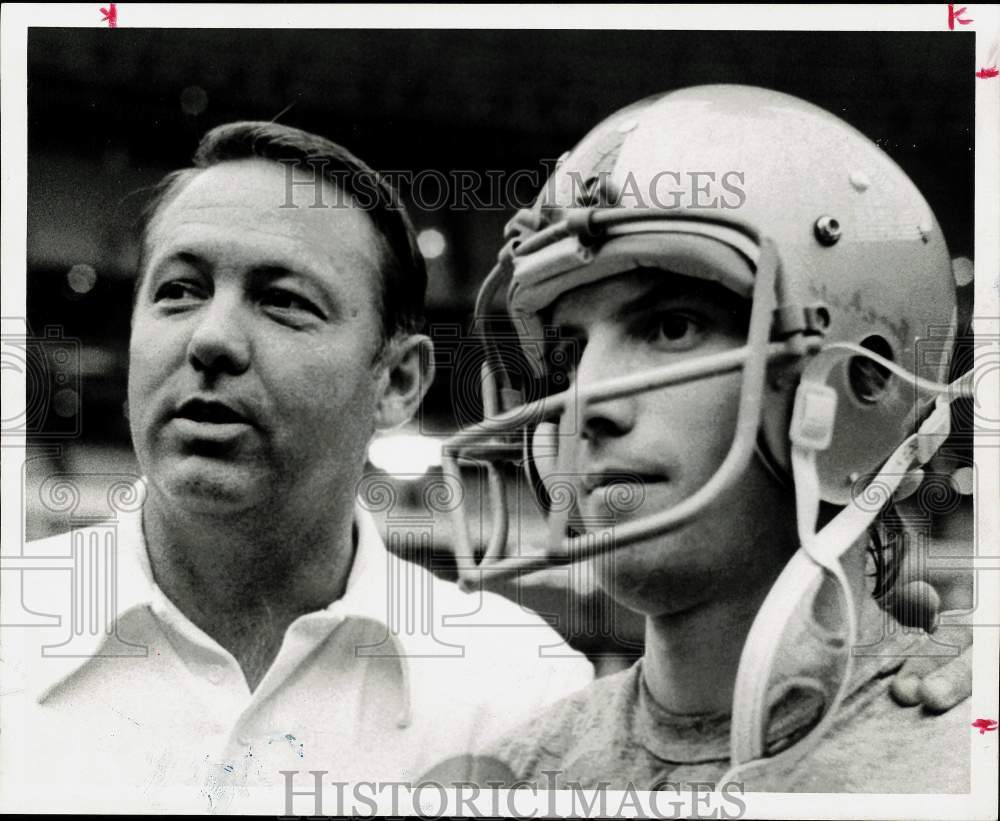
point(251, 378)
point(661, 446)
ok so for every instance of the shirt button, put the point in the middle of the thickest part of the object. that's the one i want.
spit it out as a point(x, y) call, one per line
point(215, 674)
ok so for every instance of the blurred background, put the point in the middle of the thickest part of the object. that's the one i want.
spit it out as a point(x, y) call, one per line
point(111, 111)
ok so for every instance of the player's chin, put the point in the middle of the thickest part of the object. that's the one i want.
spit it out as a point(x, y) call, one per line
point(650, 594)
point(621, 570)
point(648, 577)
point(635, 591)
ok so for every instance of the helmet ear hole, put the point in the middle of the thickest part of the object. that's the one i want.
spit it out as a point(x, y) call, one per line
point(868, 378)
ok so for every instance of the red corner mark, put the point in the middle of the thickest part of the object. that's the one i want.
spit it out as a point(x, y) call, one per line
point(955, 16)
point(987, 73)
point(984, 725)
point(111, 16)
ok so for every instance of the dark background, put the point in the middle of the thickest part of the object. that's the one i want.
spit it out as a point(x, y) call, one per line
point(111, 111)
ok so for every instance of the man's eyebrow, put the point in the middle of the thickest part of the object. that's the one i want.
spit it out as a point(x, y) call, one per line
point(270, 271)
point(187, 257)
point(261, 273)
point(264, 270)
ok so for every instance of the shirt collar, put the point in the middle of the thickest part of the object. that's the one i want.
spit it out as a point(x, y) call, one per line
point(366, 595)
point(366, 592)
point(371, 582)
point(133, 589)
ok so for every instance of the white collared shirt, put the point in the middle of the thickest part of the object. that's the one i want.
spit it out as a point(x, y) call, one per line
point(399, 674)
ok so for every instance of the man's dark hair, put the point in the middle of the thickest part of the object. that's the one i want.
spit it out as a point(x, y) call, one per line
point(404, 275)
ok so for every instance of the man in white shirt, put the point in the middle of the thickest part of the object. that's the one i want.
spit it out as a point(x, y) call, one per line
point(259, 624)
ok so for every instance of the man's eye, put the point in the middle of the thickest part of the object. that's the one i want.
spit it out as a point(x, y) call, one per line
point(177, 290)
point(287, 301)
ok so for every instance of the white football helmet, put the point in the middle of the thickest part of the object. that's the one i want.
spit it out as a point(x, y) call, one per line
point(852, 321)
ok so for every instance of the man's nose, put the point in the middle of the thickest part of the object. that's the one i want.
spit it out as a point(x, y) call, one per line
point(603, 359)
point(219, 341)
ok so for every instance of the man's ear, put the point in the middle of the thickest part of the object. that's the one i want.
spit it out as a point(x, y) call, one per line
point(407, 371)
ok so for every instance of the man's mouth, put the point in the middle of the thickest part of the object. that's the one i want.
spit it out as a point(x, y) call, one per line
point(209, 423)
point(211, 412)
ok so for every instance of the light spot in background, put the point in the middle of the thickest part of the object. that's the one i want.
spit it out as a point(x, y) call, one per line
point(432, 243)
point(81, 278)
point(405, 455)
point(963, 270)
point(194, 100)
point(963, 481)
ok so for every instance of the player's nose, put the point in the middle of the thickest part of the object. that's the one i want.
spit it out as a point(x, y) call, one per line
point(603, 359)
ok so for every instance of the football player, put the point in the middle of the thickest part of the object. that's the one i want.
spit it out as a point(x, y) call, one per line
point(738, 313)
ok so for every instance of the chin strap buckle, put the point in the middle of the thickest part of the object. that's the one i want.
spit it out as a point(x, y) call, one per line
point(813, 416)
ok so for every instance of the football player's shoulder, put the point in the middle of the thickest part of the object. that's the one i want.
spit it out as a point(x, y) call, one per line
point(877, 746)
point(560, 733)
point(913, 750)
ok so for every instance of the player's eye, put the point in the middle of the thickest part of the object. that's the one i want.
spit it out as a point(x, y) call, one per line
point(676, 330)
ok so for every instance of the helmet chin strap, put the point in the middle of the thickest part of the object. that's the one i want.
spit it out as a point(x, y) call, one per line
point(819, 554)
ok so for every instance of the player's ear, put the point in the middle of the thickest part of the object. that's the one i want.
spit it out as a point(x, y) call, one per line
point(407, 368)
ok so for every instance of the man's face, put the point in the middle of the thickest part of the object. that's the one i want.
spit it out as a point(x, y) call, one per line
point(251, 376)
point(667, 443)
